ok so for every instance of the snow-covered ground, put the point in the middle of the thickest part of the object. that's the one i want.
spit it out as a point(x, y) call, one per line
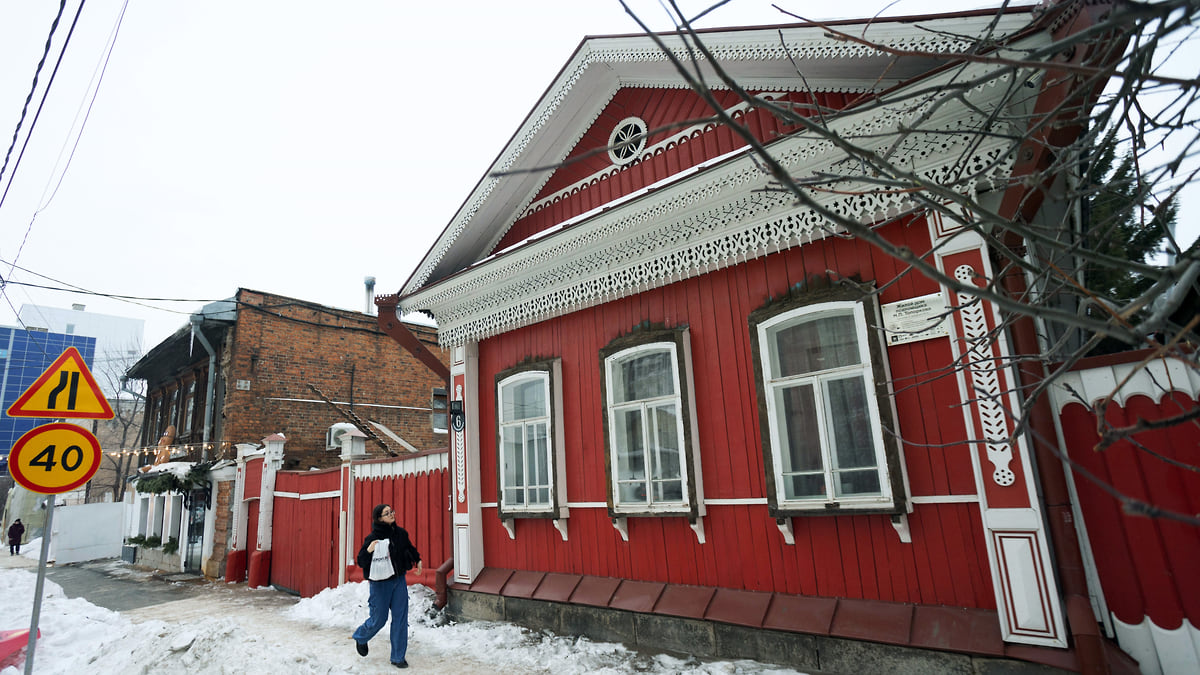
point(232, 629)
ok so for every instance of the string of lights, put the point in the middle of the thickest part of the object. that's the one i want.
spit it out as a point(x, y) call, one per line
point(222, 450)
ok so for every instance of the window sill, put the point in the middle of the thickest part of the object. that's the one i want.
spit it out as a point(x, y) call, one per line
point(509, 513)
point(638, 510)
point(559, 520)
point(793, 510)
point(620, 522)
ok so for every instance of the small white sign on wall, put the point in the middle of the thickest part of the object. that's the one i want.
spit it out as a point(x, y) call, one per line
point(916, 319)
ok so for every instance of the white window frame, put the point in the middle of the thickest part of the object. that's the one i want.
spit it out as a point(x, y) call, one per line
point(550, 373)
point(869, 370)
point(524, 425)
point(682, 399)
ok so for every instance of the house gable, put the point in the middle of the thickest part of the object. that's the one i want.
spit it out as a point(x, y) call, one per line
point(793, 58)
point(681, 134)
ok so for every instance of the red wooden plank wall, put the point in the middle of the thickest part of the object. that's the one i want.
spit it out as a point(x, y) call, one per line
point(305, 536)
point(660, 108)
point(421, 509)
point(1147, 566)
point(252, 526)
point(253, 485)
point(304, 542)
point(856, 556)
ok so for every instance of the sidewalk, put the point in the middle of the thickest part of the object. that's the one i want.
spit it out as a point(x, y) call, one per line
point(17, 561)
point(168, 625)
point(202, 626)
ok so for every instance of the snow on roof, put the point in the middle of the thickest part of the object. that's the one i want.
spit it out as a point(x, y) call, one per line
point(177, 469)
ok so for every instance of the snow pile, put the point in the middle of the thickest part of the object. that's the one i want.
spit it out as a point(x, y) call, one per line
point(32, 549)
point(77, 636)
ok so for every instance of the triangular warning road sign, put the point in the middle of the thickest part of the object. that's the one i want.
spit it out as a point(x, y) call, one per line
point(67, 389)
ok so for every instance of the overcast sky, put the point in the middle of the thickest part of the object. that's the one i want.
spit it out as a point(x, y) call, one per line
point(286, 146)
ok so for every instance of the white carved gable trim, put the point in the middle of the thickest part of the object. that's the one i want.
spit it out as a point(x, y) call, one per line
point(681, 136)
point(722, 216)
point(761, 59)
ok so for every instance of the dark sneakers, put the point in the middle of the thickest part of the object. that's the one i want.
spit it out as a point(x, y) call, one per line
point(360, 647)
point(400, 664)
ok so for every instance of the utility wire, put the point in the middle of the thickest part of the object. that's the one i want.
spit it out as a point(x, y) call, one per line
point(45, 93)
point(99, 80)
point(71, 288)
point(29, 134)
point(16, 132)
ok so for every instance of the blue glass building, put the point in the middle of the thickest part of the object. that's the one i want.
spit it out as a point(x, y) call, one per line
point(24, 355)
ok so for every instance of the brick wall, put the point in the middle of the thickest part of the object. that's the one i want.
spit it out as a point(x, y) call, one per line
point(214, 568)
point(281, 345)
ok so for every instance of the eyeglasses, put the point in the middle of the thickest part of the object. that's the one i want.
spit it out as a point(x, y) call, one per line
point(388, 512)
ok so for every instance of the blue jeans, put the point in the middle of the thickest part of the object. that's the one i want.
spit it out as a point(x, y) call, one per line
point(391, 594)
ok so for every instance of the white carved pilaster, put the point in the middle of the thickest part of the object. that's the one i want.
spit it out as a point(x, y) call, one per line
point(466, 508)
point(1027, 598)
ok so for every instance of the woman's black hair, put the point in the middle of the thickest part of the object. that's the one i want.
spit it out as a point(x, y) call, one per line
point(377, 512)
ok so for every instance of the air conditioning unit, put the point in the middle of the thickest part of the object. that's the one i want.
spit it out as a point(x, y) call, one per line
point(333, 437)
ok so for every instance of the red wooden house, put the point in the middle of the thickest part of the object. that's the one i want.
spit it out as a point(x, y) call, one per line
point(674, 423)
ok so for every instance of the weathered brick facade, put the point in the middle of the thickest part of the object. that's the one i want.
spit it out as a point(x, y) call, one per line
point(280, 346)
point(222, 528)
point(268, 349)
point(268, 354)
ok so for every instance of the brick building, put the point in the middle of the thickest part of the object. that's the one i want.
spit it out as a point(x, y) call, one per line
point(283, 366)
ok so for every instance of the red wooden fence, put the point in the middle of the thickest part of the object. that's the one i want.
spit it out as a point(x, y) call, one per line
point(1145, 566)
point(305, 530)
point(420, 502)
point(307, 515)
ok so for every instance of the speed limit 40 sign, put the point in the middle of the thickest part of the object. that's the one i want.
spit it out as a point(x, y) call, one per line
point(54, 458)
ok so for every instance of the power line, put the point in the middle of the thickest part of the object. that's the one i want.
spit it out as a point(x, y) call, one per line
point(45, 93)
point(332, 311)
point(112, 296)
point(29, 134)
point(16, 132)
point(99, 80)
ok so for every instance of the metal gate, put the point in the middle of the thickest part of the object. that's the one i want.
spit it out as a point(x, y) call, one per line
point(197, 502)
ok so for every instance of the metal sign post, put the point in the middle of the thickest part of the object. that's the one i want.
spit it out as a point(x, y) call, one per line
point(41, 580)
point(56, 457)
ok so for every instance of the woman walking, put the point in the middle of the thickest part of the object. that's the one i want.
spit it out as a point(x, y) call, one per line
point(386, 555)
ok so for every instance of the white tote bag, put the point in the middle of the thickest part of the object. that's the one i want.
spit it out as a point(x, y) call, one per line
point(381, 562)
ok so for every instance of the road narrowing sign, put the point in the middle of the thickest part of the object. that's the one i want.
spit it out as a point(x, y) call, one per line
point(54, 458)
point(67, 389)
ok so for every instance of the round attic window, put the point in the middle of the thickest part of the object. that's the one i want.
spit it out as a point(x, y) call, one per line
point(627, 140)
